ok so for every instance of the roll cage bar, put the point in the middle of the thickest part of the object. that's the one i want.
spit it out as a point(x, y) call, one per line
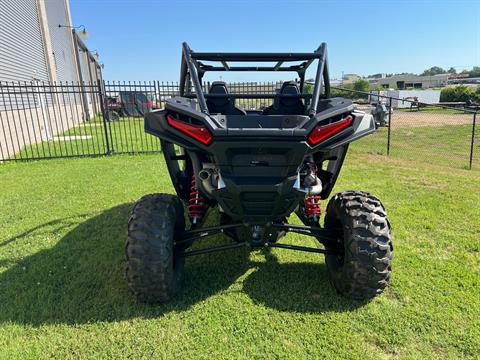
point(193, 69)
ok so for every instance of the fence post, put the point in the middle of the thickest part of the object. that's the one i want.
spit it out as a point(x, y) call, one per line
point(104, 117)
point(389, 124)
point(473, 139)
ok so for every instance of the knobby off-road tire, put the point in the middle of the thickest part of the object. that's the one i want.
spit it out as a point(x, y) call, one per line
point(364, 268)
point(154, 266)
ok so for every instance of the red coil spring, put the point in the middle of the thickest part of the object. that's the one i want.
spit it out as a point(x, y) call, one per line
point(312, 206)
point(196, 204)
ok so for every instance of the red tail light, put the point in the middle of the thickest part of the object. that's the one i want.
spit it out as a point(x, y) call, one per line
point(198, 132)
point(322, 132)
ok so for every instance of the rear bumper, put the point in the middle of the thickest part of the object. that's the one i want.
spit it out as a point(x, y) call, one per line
point(266, 199)
point(253, 133)
point(258, 178)
point(258, 166)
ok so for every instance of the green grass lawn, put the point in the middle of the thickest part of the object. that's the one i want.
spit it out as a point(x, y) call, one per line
point(434, 109)
point(447, 145)
point(126, 135)
point(63, 293)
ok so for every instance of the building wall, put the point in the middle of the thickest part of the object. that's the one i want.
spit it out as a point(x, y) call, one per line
point(423, 96)
point(428, 96)
point(61, 40)
point(423, 82)
point(33, 48)
point(350, 78)
point(22, 50)
point(37, 127)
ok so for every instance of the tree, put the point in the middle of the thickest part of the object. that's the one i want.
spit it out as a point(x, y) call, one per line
point(361, 85)
point(475, 72)
point(452, 70)
point(434, 70)
point(375, 76)
point(405, 73)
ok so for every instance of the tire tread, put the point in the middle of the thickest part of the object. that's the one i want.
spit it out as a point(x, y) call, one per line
point(367, 242)
point(154, 268)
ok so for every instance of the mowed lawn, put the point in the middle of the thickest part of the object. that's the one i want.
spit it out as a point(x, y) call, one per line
point(63, 293)
point(126, 135)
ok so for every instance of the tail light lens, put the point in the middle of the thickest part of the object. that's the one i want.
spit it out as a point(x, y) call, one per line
point(323, 132)
point(198, 132)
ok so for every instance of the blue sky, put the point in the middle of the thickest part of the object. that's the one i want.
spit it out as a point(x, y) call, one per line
point(141, 39)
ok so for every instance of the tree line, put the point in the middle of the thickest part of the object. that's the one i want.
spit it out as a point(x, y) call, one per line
point(434, 70)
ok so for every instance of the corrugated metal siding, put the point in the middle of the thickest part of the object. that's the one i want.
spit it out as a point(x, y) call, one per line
point(62, 43)
point(85, 78)
point(22, 54)
point(93, 72)
point(84, 65)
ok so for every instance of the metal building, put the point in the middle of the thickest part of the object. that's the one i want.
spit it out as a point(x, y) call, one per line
point(49, 80)
point(39, 43)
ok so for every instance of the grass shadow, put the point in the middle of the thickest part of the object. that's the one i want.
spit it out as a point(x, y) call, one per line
point(81, 279)
point(295, 287)
point(58, 225)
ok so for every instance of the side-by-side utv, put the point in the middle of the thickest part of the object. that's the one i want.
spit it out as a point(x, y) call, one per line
point(257, 167)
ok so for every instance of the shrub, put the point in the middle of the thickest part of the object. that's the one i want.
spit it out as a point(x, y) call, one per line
point(476, 95)
point(308, 88)
point(457, 93)
point(344, 93)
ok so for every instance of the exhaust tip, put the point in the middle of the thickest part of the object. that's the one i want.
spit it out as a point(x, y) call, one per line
point(204, 175)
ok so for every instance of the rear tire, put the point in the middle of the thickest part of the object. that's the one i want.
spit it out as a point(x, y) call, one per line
point(154, 266)
point(364, 269)
point(112, 115)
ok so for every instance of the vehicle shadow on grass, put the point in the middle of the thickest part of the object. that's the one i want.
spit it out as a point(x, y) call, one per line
point(296, 287)
point(82, 279)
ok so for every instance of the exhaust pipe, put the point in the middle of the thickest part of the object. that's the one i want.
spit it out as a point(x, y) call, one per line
point(316, 188)
point(205, 176)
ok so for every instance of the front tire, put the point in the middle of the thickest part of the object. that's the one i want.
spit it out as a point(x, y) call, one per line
point(154, 266)
point(363, 269)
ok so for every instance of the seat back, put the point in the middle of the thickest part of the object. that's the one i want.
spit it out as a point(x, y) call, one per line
point(286, 106)
point(222, 105)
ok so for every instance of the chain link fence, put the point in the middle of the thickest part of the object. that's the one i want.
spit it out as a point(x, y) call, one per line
point(40, 120)
point(421, 132)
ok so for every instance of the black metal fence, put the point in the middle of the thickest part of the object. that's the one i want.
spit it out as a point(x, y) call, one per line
point(40, 120)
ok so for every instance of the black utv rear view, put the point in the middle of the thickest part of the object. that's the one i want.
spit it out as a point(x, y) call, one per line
point(257, 167)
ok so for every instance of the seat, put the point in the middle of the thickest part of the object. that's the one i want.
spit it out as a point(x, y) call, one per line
point(222, 105)
point(286, 106)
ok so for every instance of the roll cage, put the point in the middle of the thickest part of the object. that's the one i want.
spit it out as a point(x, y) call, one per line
point(193, 69)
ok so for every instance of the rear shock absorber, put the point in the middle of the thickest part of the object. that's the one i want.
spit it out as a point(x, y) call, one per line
point(312, 202)
point(196, 204)
point(312, 207)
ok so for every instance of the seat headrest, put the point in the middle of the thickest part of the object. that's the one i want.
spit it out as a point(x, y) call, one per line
point(219, 87)
point(289, 88)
